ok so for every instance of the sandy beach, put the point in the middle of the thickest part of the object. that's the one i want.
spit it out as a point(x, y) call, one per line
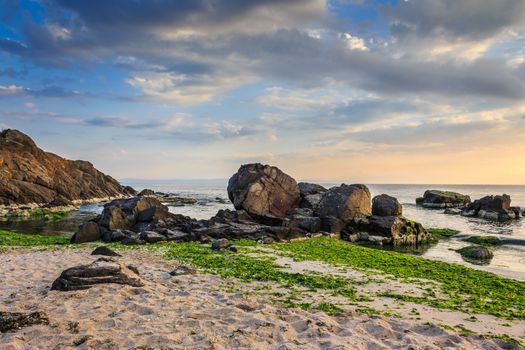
point(193, 311)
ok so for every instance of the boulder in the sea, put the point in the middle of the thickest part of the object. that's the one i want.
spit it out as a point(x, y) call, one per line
point(495, 208)
point(442, 199)
point(12, 321)
point(385, 205)
point(87, 232)
point(345, 202)
point(263, 191)
point(103, 270)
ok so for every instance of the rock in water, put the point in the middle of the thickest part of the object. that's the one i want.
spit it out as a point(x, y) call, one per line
point(103, 270)
point(10, 321)
point(492, 208)
point(31, 177)
point(442, 199)
point(476, 252)
point(345, 202)
point(385, 205)
point(263, 191)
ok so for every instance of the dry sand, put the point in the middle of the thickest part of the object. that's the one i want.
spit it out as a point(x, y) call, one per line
point(187, 312)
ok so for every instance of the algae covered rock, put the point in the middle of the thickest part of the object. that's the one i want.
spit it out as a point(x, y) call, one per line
point(442, 199)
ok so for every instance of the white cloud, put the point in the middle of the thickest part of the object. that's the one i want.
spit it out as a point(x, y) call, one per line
point(354, 42)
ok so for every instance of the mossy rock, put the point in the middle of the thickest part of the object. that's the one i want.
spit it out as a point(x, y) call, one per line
point(476, 252)
point(484, 241)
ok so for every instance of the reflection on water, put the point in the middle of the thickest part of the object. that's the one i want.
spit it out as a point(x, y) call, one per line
point(509, 259)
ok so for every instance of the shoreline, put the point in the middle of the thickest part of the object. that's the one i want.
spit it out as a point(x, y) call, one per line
point(280, 278)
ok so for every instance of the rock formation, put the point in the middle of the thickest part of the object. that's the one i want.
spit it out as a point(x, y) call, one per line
point(385, 205)
point(263, 191)
point(30, 177)
point(442, 199)
point(492, 208)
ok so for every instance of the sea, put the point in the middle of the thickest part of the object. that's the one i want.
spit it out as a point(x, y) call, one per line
point(211, 195)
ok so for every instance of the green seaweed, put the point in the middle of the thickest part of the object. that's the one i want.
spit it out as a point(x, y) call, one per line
point(484, 241)
point(12, 239)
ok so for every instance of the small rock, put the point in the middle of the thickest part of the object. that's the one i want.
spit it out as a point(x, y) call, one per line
point(476, 252)
point(103, 250)
point(183, 270)
point(233, 248)
point(219, 244)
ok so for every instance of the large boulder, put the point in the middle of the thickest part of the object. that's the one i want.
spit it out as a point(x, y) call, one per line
point(124, 214)
point(103, 270)
point(32, 177)
point(263, 191)
point(385, 205)
point(345, 202)
point(442, 199)
point(87, 232)
point(392, 230)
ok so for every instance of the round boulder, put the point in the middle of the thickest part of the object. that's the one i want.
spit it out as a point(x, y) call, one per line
point(263, 191)
point(345, 202)
point(385, 205)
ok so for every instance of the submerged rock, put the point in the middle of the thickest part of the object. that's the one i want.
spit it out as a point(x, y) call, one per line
point(385, 205)
point(32, 177)
point(263, 191)
point(476, 252)
point(103, 270)
point(442, 199)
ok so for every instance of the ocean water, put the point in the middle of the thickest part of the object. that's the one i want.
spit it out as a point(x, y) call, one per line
point(211, 195)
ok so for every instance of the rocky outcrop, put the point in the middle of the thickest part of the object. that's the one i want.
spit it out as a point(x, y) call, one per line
point(492, 208)
point(30, 177)
point(345, 202)
point(442, 199)
point(103, 270)
point(311, 195)
point(137, 220)
point(263, 191)
point(385, 205)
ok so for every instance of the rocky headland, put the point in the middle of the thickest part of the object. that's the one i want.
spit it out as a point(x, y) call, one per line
point(32, 178)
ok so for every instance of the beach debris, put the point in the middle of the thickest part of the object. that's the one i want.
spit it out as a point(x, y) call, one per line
point(10, 321)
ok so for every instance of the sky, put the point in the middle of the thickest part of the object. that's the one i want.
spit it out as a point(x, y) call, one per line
point(407, 91)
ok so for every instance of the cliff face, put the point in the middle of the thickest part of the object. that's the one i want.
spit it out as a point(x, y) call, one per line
point(30, 176)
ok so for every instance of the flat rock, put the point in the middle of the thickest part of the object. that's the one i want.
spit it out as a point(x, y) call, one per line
point(103, 270)
point(103, 250)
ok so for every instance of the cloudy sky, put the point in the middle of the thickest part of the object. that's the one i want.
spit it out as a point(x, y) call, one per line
point(408, 91)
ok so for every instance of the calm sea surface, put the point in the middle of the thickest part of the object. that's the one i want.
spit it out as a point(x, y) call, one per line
point(509, 260)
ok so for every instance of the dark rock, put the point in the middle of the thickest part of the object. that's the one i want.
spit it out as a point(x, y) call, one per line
point(345, 202)
point(12, 321)
point(232, 249)
point(87, 232)
point(132, 240)
point(476, 252)
point(117, 235)
point(28, 175)
point(183, 270)
point(332, 224)
point(307, 223)
point(393, 230)
point(266, 240)
point(263, 191)
point(151, 237)
point(219, 244)
point(442, 199)
point(491, 208)
point(103, 250)
point(103, 270)
point(385, 205)
point(146, 192)
point(310, 201)
point(453, 211)
point(306, 188)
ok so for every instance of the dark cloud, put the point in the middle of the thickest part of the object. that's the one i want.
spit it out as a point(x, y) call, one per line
point(469, 19)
